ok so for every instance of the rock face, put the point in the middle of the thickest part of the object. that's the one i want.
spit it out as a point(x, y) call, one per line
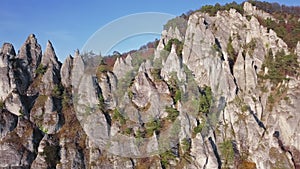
point(173, 64)
point(65, 72)
point(121, 67)
point(209, 105)
point(252, 10)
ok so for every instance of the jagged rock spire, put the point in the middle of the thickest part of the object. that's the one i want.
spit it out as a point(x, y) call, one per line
point(122, 66)
point(31, 52)
point(8, 49)
point(6, 52)
point(49, 57)
point(66, 70)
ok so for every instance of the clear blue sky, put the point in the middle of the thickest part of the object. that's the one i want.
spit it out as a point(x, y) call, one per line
point(68, 24)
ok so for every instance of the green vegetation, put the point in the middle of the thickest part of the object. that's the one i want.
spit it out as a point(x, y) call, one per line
point(2, 104)
point(41, 70)
point(230, 50)
point(177, 95)
point(128, 131)
point(44, 130)
point(155, 72)
point(157, 63)
point(199, 128)
point(139, 134)
point(232, 55)
point(172, 113)
point(218, 49)
point(174, 88)
point(179, 46)
point(124, 83)
point(165, 157)
point(66, 98)
point(21, 112)
point(179, 22)
point(130, 94)
point(280, 66)
point(271, 99)
point(103, 68)
point(186, 144)
point(287, 27)
point(119, 117)
point(57, 91)
point(101, 103)
point(153, 126)
point(205, 100)
point(250, 47)
point(244, 108)
point(227, 152)
point(212, 10)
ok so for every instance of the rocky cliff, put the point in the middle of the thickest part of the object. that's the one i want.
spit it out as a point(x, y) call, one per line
point(223, 93)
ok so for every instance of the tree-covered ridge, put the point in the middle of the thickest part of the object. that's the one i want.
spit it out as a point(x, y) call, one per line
point(275, 7)
point(213, 9)
point(287, 25)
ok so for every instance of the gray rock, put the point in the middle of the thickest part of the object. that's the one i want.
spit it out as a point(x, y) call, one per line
point(78, 71)
point(6, 77)
point(239, 110)
point(121, 67)
point(8, 123)
point(30, 55)
point(108, 85)
point(50, 58)
point(66, 72)
point(297, 51)
point(173, 64)
point(252, 10)
point(45, 114)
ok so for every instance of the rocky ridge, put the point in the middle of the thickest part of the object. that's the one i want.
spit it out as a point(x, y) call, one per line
point(211, 106)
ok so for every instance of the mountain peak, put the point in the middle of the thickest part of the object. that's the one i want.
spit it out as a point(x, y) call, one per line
point(49, 57)
point(31, 39)
point(8, 49)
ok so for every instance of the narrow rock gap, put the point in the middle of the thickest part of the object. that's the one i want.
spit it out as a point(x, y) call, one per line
point(244, 66)
point(106, 114)
point(231, 64)
point(215, 150)
point(260, 123)
point(206, 162)
point(276, 134)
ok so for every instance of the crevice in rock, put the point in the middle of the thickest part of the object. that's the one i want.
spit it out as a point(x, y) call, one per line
point(286, 149)
point(82, 159)
point(101, 103)
point(215, 150)
point(132, 162)
point(244, 70)
point(206, 162)
point(260, 123)
point(205, 23)
point(217, 42)
point(28, 102)
point(231, 64)
point(262, 107)
point(108, 118)
point(149, 80)
point(236, 85)
point(108, 82)
point(58, 106)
